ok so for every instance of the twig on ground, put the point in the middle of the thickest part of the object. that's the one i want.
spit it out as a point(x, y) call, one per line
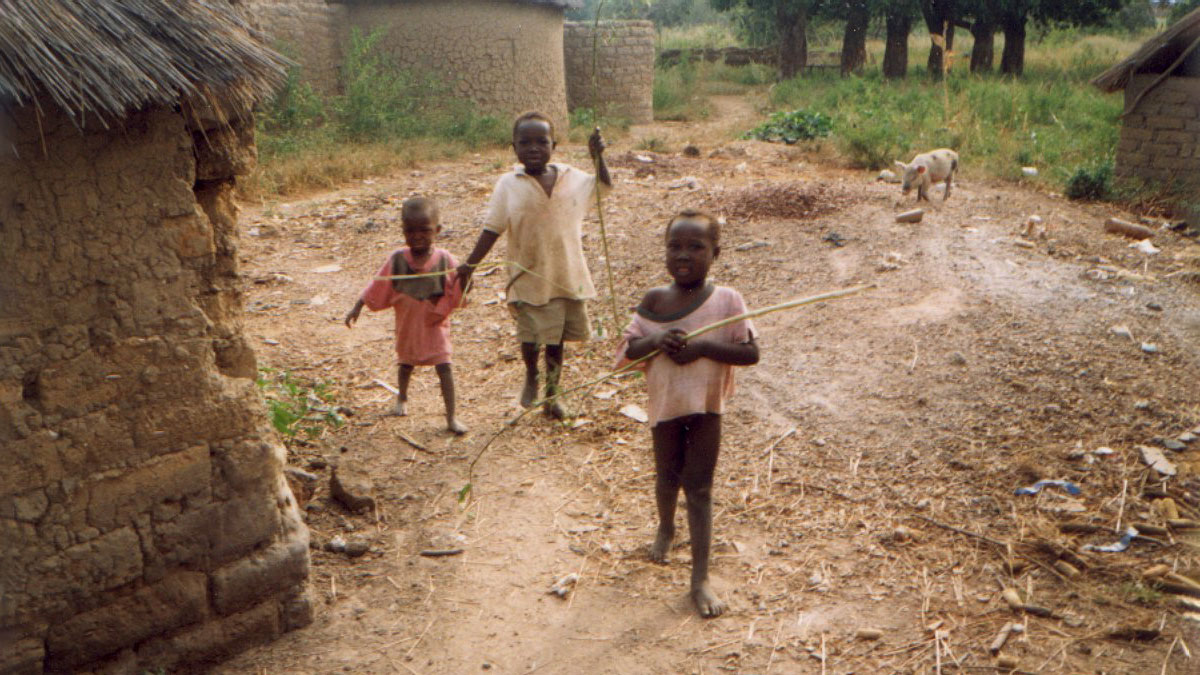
point(416, 446)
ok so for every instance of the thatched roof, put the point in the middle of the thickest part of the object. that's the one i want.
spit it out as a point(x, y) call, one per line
point(111, 56)
point(1155, 56)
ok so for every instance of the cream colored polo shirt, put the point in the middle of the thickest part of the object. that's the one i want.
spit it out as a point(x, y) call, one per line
point(545, 233)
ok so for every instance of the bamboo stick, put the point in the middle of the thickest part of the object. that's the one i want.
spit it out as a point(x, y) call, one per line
point(753, 314)
point(612, 293)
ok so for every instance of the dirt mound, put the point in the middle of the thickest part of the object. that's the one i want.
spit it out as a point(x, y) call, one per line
point(788, 201)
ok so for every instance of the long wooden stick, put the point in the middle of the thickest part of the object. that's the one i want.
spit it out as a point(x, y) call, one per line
point(791, 304)
point(612, 293)
point(1159, 80)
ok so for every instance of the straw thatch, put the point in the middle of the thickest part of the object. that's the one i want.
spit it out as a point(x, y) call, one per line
point(108, 57)
point(1155, 56)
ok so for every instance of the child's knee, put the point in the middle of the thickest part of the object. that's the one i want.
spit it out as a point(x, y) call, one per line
point(697, 490)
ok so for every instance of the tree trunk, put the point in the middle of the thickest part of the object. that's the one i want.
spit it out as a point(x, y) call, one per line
point(983, 52)
point(793, 42)
point(1012, 61)
point(895, 53)
point(939, 19)
point(854, 43)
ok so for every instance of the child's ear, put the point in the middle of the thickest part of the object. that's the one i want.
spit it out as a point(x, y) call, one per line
point(716, 252)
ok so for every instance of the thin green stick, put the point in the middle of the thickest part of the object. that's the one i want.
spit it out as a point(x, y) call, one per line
point(791, 304)
point(522, 268)
point(612, 292)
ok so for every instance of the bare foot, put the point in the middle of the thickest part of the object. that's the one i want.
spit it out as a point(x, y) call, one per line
point(556, 410)
point(399, 410)
point(661, 546)
point(455, 426)
point(529, 392)
point(707, 602)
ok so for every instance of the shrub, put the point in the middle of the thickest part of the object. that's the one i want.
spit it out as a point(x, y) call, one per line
point(1090, 182)
point(295, 405)
point(676, 96)
point(789, 127)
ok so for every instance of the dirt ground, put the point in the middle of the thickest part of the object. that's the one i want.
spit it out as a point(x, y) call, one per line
point(982, 362)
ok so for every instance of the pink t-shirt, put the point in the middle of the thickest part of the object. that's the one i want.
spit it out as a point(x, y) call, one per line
point(422, 326)
point(702, 385)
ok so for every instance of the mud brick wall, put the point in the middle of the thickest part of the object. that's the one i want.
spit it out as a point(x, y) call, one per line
point(730, 56)
point(1160, 140)
point(144, 517)
point(507, 57)
point(306, 31)
point(624, 56)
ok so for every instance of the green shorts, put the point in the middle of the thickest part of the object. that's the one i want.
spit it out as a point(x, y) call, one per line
point(560, 320)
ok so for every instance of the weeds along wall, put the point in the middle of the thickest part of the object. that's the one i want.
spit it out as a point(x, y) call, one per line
point(306, 31)
point(145, 520)
point(1160, 138)
point(624, 68)
point(507, 57)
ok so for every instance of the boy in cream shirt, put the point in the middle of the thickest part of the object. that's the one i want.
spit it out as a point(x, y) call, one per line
point(541, 205)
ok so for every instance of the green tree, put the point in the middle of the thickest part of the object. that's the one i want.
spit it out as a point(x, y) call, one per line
point(1181, 9)
point(898, 18)
point(789, 20)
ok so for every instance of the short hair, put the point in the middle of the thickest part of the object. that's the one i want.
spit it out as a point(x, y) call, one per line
point(419, 207)
point(535, 116)
point(714, 225)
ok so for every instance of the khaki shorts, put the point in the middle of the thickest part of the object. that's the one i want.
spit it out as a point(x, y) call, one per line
point(560, 320)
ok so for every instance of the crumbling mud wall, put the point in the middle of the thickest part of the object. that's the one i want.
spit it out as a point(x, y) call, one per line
point(624, 67)
point(307, 31)
point(507, 57)
point(144, 517)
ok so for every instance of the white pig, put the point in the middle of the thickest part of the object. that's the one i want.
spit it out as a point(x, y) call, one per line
point(926, 169)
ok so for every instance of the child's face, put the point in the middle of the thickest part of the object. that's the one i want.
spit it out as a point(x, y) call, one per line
point(420, 233)
point(534, 144)
point(690, 251)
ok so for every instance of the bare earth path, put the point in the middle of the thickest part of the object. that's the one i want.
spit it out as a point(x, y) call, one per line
point(980, 364)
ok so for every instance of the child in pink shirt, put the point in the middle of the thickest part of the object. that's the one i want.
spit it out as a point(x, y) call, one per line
point(688, 384)
point(422, 305)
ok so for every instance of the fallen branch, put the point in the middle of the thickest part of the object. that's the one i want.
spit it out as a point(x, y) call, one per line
point(416, 446)
point(791, 304)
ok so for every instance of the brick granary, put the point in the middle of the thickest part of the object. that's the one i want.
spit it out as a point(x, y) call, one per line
point(145, 523)
point(1160, 134)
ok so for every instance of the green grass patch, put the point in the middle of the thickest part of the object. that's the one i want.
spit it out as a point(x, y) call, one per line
point(677, 95)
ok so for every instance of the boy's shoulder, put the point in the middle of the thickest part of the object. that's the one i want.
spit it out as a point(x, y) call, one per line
point(652, 298)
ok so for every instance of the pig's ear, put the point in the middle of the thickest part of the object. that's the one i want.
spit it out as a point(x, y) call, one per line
point(921, 169)
point(902, 165)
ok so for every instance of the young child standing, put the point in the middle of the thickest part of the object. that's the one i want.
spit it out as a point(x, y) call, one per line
point(688, 384)
point(541, 206)
point(422, 305)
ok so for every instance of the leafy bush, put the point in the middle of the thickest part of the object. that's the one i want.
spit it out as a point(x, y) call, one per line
point(295, 405)
point(676, 96)
point(1090, 182)
point(789, 127)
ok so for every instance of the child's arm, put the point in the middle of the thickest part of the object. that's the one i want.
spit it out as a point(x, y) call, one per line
point(352, 315)
point(487, 239)
point(668, 341)
point(596, 149)
point(733, 353)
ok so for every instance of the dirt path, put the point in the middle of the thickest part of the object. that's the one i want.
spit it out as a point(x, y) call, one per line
point(982, 363)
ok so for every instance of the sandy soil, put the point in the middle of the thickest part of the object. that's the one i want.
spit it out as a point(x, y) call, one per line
point(982, 362)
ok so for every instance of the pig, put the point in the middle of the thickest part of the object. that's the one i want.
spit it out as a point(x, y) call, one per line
point(926, 169)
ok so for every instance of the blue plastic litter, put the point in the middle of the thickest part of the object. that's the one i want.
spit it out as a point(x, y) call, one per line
point(1119, 547)
point(1071, 488)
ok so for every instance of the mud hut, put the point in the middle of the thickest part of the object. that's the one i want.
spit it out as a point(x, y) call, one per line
point(1160, 134)
point(145, 521)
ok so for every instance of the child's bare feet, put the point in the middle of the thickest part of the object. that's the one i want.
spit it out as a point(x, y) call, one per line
point(662, 545)
point(399, 410)
point(707, 602)
point(455, 426)
point(529, 391)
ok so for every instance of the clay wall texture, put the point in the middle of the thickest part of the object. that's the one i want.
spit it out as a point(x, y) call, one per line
point(507, 57)
point(624, 66)
point(307, 31)
point(1160, 140)
point(144, 517)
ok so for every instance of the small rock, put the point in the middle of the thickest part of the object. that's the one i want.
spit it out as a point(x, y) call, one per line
point(336, 545)
point(690, 150)
point(1122, 331)
point(887, 177)
point(689, 182)
point(1029, 171)
point(913, 216)
point(635, 412)
point(328, 269)
point(317, 463)
point(1171, 444)
point(1153, 306)
point(564, 585)
point(1154, 458)
point(1149, 347)
point(357, 548)
point(868, 634)
point(1141, 404)
point(958, 359)
point(751, 245)
point(300, 474)
point(834, 238)
point(351, 486)
point(1187, 437)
